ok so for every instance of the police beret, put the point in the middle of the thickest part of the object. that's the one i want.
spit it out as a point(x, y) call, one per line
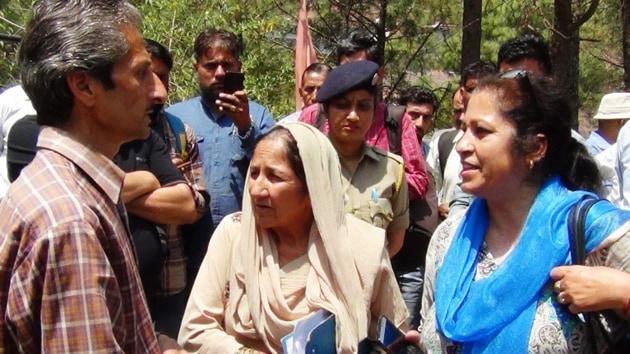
point(347, 77)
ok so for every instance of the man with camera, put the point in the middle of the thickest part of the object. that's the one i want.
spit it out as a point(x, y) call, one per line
point(227, 126)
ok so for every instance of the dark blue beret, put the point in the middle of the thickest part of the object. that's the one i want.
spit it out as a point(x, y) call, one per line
point(347, 77)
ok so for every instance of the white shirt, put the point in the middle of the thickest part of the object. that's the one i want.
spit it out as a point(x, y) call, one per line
point(444, 184)
point(14, 105)
point(293, 117)
point(622, 165)
point(606, 161)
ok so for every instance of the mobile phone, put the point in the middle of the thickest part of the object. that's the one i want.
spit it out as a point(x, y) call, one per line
point(233, 81)
point(372, 346)
point(392, 338)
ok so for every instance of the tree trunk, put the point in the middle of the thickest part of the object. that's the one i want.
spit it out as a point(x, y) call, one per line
point(565, 51)
point(381, 38)
point(625, 20)
point(471, 33)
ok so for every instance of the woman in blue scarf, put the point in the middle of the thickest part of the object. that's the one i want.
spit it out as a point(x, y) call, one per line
point(487, 286)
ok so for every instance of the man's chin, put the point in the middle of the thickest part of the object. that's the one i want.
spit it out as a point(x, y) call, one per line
point(209, 95)
point(144, 133)
point(155, 113)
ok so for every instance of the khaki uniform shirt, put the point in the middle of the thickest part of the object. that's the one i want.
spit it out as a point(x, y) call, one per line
point(376, 191)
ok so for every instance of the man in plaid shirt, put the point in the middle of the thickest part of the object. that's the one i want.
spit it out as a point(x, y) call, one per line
point(68, 274)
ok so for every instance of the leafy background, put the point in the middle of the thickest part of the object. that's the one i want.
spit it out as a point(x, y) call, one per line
point(422, 47)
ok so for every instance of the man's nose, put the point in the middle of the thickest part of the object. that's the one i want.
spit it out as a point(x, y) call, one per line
point(160, 95)
point(220, 71)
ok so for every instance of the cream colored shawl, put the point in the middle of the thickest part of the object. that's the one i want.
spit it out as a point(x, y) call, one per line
point(333, 282)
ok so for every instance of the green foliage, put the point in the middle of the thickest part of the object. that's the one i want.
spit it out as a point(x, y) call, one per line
point(268, 58)
point(601, 60)
point(421, 41)
point(13, 15)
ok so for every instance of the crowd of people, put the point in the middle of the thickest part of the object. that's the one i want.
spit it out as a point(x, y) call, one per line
point(206, 227)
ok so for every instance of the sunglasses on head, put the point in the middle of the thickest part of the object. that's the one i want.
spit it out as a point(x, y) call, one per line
point(524, 82)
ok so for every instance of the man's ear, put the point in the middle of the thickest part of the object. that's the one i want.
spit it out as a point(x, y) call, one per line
point(82, 87)
point(195, 65)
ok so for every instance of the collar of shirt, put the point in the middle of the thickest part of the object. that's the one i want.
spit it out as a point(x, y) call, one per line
point(94, 164)
point(369, 151)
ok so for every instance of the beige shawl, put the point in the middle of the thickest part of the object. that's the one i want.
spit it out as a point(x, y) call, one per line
point(333, 282)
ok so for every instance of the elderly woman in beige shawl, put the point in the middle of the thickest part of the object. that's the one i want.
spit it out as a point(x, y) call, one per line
point(288, 254)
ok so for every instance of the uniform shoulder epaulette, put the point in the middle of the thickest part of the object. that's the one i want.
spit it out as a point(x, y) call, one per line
point(392, 156)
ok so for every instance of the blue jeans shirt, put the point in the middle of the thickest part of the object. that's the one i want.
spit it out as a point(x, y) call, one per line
point(224, 155)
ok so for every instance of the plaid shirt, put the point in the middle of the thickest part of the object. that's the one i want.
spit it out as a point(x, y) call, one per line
point(67, 263)
point(415, 170)
point(173, 275)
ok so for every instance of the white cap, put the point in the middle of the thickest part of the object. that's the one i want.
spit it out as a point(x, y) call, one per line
point(614, 106)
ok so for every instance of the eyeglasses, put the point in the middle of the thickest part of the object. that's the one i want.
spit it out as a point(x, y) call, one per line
point(512, 74)
point(417, 115)
point(523, 79)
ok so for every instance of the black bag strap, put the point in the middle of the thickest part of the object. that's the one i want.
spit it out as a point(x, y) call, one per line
point(445, 145)
point(577, 217)
point(393, 124)
point(577, 230)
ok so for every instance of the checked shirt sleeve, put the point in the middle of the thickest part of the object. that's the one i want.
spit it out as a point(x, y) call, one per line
point(415, 169)
point(64, 297)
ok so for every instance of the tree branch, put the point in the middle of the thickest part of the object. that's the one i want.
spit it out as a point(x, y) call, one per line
point(581, 19)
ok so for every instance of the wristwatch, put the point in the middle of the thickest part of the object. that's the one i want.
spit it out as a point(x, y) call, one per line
point(248, 132)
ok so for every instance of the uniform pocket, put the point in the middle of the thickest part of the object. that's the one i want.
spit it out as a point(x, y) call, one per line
point(381, 212)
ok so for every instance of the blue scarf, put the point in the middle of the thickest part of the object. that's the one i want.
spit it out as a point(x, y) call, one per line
point(495, 314)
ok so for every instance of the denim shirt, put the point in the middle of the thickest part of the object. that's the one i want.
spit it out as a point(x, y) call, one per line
point(225, 156)
point(596, 143)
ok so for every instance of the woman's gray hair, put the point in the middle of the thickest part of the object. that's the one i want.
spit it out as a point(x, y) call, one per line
point(71, 35)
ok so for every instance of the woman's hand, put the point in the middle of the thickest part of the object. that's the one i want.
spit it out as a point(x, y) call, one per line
point(168, 345)
point(586, 289)
point(413, 338)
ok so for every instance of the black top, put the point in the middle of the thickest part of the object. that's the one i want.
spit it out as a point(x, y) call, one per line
point(152, 155)
point(21, 145)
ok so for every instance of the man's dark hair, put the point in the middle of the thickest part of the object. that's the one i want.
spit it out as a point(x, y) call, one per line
point(55, 44)
point(360, 41)
point(418, 95)
point(478, 70)
point(531, 46)
point(158, 51)
point(319, 68)
point(218, 38)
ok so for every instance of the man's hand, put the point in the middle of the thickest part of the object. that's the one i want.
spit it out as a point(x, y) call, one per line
point(137, 184)
point(443, 210)
point(168, 345)
point(236, 105)
point(182, 166)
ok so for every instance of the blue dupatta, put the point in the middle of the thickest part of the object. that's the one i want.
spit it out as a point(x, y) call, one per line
point(495, 314)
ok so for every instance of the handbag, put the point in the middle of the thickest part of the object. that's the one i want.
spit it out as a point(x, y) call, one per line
point(602, 341)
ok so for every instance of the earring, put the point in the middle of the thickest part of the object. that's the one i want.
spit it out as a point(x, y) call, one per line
point(530, 164)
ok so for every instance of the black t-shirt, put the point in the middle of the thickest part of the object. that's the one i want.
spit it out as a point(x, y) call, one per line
point(21, 145)
point(151, 155)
